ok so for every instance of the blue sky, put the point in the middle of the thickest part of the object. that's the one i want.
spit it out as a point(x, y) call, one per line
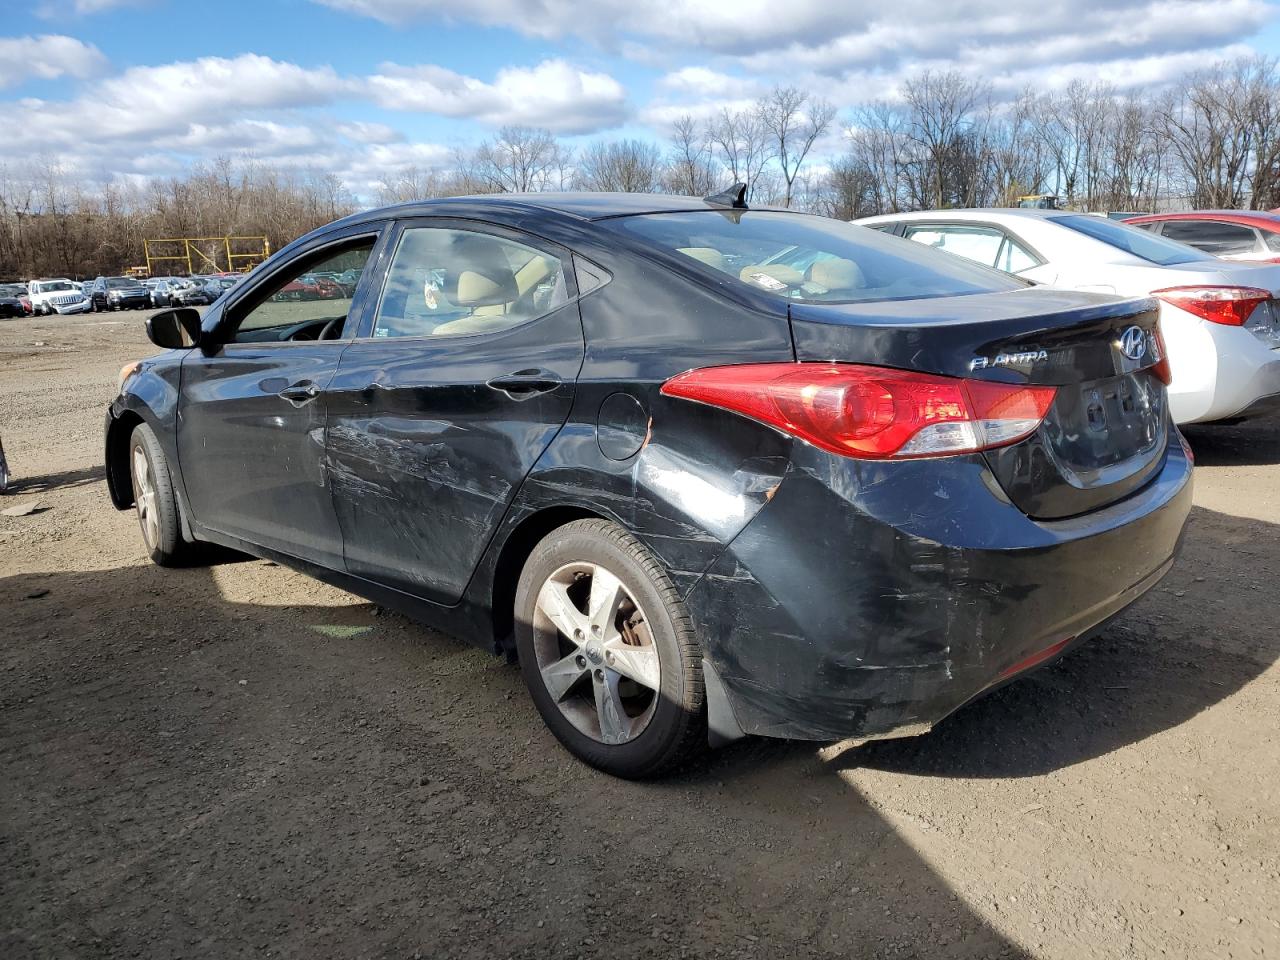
point(134, 89)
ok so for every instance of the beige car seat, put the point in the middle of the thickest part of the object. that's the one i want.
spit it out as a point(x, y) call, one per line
point(837, 274)
point(485, 311)
point(708, 255)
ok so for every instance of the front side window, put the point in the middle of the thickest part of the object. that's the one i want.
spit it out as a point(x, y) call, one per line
point(1219, 239)
point(452, 283)
point(811, 259)
point(294, 306)
point(1139, 243)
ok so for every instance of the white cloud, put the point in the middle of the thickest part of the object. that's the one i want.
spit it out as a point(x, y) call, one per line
point(705, 82)
point(833, 38)
point(47, 57)
point(554, 94)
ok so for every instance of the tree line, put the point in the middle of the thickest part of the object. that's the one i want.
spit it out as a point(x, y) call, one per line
point(1210, 141)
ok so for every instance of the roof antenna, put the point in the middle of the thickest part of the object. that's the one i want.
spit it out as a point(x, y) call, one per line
point(735, 197)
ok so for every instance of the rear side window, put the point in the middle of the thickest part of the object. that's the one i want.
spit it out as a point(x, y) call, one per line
point(1219, 239)
point(811, 259)
point(456, 283)
point(1139, 243)
point(1273, 241)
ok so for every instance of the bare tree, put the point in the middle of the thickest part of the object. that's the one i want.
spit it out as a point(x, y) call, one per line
point(630, 166)
point(519, 160)
point(742, 143)
point(942, 108)
point(690, 168)
point(794, 119)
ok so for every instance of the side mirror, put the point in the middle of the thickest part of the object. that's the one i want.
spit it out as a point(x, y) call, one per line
point(174, 329)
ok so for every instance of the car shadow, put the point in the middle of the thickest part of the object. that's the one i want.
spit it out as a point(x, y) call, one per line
point(1252, 443)
point(191, 775)
point(52, 481)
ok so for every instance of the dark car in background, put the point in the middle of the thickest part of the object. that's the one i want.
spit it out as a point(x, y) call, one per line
point(707, 471)
point(1250, 235)
point(13, 302)
point(119, 293)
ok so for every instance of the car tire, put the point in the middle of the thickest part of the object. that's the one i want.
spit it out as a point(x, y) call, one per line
point(640, 729)
point(155, 502)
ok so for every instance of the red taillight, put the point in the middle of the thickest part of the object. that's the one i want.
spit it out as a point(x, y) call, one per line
point(1230, 306)
point(871, 412)
point(1162, 369)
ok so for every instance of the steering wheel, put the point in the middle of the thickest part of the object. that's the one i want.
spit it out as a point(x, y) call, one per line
point(329, 327)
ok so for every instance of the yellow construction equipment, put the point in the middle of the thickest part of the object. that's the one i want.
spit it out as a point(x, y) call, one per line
point(207, 254)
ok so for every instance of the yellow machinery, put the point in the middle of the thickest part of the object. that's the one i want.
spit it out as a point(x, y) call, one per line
point(1039, 201)
point(207, 254)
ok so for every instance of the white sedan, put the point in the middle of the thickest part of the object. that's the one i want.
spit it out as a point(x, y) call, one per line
point(1220, 319)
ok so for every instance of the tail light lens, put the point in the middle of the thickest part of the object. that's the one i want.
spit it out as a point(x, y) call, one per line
point(869, 412)
point(1230, 306)
point(1162, 370)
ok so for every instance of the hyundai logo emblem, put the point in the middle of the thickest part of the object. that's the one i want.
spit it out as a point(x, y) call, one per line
point(1133, 343)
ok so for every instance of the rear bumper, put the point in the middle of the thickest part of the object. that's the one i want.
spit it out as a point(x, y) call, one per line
point(872, 600)
point(1219, 373)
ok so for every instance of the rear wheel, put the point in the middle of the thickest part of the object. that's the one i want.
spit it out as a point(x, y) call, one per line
point(608, 652)
point(155, 501)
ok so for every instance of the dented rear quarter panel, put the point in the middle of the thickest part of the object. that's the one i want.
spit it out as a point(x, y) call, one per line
point(871, 597)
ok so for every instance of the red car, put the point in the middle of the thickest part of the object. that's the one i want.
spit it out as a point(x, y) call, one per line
point(1252, 235)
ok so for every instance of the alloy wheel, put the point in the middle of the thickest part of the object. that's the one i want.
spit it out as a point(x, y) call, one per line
point(144, 496)
point(596, 653)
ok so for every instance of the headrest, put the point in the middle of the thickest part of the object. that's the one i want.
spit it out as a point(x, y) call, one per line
point(485, 290)
point(534, 272)
point(837, 274)
point(708, 255)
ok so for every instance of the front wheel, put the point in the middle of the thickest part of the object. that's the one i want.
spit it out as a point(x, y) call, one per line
point(154, 500)
point(608, 652)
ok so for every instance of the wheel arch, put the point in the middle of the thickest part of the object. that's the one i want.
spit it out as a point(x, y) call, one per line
point(513, 554)
point(119, 431)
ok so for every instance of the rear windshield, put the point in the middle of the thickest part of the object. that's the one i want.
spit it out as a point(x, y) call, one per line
point(813, 259)
point(1141, 243)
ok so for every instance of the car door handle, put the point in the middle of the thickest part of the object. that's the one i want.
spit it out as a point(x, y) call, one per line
point(524, 384)
point(304, 391)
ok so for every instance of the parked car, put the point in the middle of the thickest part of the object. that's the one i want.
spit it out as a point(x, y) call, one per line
point(1220, 320)
point(161, 291)
point(4, 471)
point(189, 292)
point(215, 287)
point(120, 293)
point(1231, 234)
point(11, 302)
point(790, 498)
point(57, 296)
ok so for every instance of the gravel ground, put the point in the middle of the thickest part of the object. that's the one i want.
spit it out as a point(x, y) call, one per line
point(239, 761)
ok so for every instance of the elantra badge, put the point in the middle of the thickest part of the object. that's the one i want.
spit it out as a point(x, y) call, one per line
point(1026, 357)
point(1133, 343)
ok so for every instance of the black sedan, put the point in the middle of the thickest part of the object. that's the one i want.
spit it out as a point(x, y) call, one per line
point(706, 471)
point(11, 301)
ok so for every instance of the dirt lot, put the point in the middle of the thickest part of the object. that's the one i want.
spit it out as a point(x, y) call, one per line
point(237, 761)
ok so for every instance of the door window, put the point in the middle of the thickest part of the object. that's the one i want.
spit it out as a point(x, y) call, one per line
point(1273, 241)
point(454, 283)
point(980, 244)
point(1219, 239)
point(309, 300)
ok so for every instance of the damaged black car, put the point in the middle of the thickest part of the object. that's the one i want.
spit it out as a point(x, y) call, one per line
point(705, 471)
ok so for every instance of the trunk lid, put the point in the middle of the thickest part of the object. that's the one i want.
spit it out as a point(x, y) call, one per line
point(1105, 434)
